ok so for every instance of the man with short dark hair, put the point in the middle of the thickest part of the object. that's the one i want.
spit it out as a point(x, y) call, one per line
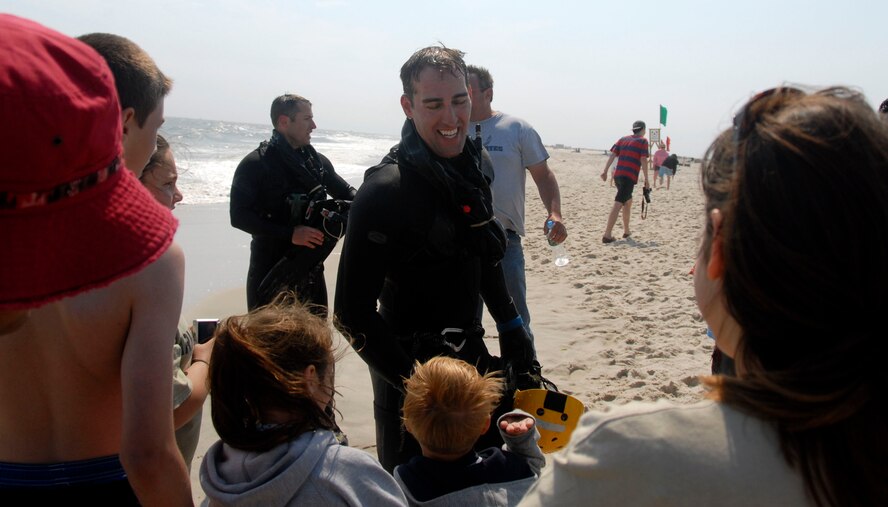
point(141, 87)
point(515, 149)
point(633, 157)
point(423, 243)
point(276, 196)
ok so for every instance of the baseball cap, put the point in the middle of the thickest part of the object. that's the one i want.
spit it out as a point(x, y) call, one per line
point(73, 218)
point(639, 125)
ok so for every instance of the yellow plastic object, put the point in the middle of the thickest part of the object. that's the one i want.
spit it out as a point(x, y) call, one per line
point(556, 414)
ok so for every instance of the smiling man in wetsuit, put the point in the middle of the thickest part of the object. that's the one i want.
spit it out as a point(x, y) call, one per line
point(422, 240)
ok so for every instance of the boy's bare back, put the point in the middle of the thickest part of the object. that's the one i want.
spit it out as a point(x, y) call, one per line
point(62, 373)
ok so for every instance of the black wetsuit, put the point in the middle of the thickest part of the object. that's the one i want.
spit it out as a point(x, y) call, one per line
point(262, 183)
point(408, 247)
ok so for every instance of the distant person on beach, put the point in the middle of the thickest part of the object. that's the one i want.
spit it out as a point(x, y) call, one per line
point(92, 283)
point(515, 149)
point(423, 242)
point(659, 156)
point(670, 164)
point(803, 422)
point(447, 408)
point(273, 188)
point(631, 153)
point(141, 87)
point(272, 385)
point(191, 360)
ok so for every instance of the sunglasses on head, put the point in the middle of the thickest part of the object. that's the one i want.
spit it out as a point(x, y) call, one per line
point(744, 121)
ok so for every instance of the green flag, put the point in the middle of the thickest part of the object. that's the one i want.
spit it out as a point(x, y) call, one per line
point(662, 115)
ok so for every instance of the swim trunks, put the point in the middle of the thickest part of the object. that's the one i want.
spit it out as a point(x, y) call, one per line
point(95, 481)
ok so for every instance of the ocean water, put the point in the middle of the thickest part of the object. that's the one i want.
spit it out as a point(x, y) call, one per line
point(207, 153)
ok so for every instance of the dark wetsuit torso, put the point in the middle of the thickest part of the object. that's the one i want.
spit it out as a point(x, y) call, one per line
point(409, 259)
point(405, 247)
point(262, 182)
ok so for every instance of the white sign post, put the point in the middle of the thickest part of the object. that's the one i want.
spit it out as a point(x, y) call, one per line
point(655, 136)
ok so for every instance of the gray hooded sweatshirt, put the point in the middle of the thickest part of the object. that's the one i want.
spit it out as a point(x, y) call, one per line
point(313, 469)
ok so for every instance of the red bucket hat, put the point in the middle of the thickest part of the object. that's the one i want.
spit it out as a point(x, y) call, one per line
point(72, 217)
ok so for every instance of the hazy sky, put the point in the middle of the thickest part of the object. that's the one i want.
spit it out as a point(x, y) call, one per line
point(580, 72)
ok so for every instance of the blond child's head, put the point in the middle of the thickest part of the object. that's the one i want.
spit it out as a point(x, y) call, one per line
point(448, 405)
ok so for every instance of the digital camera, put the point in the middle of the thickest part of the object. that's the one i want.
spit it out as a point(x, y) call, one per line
point(204, 329)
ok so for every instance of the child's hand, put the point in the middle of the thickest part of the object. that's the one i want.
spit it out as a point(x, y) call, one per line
point(517, 424)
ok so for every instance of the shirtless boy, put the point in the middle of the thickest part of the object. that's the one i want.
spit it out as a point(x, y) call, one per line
point(92, 288)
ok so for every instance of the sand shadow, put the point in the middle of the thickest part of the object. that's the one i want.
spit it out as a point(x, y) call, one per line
point(631, 241)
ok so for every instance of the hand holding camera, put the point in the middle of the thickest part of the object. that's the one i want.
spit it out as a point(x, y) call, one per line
point(204, 329)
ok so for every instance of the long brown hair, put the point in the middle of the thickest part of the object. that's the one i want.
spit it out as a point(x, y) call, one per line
point(257, 367)
point(802, 183)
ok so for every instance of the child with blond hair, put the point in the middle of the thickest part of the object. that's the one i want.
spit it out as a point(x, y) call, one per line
point(447, 408)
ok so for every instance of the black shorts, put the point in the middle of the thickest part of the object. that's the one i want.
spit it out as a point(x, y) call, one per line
point(624, 189)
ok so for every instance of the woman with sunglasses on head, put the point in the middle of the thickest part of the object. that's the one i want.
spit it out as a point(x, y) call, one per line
point(791, 277)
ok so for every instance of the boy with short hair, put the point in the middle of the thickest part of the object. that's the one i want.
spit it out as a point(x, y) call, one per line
point(141, 87)
point(447, 406)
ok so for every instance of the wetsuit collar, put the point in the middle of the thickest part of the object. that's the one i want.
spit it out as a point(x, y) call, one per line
point(306, 156)
point(463, 184)
point(415, 152)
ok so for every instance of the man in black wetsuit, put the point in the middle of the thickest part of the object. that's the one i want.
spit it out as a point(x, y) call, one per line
point(423, 241)
point(272, 189)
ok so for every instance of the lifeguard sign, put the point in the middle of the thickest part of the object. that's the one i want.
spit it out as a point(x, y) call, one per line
point(654, 135)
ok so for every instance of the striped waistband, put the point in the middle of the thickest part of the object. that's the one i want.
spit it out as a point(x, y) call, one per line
point(70, 473)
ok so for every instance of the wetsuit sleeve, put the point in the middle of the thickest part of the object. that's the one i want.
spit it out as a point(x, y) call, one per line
point(336, 185)
point(495, 294)
point(516, 347)
point(246, 201)
point(370, 243)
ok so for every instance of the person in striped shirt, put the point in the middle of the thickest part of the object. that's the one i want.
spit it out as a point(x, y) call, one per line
point(631, 153)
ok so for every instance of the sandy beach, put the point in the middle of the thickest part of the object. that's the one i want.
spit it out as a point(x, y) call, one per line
point(618, 323)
